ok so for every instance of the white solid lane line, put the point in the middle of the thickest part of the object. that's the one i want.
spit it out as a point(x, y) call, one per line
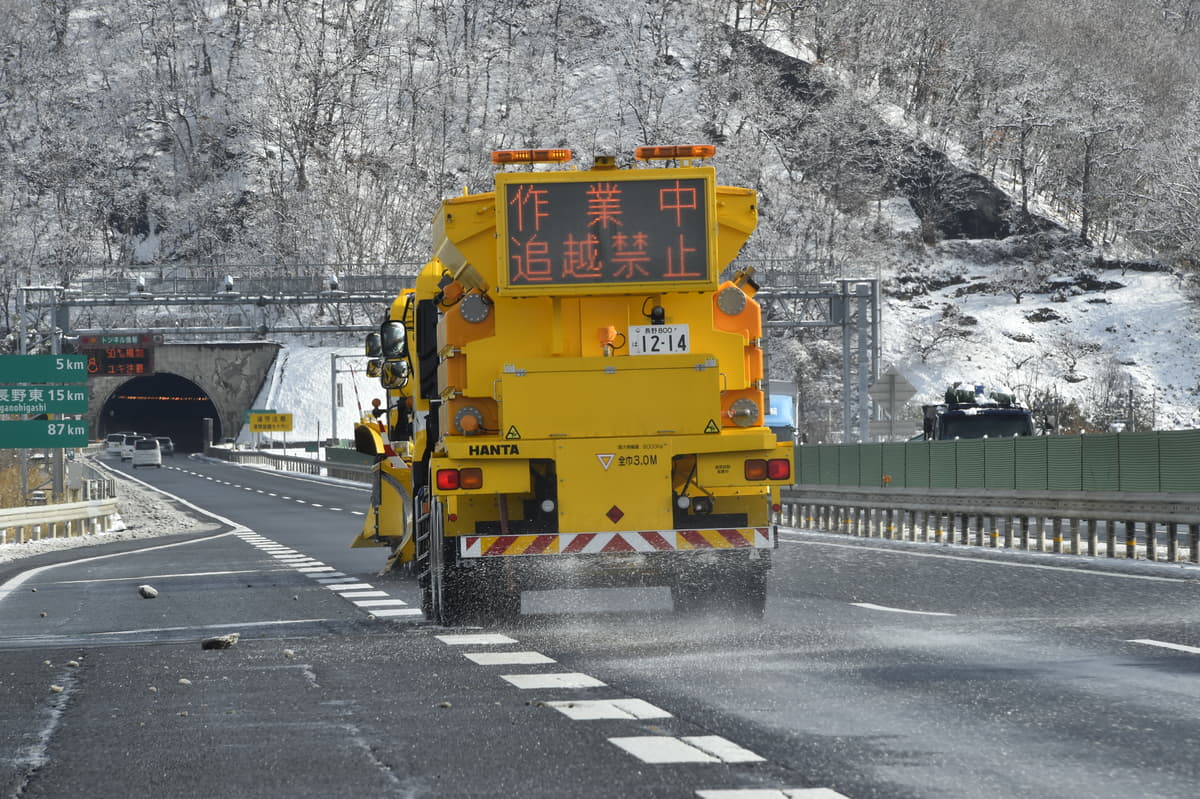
point(771, 793)
point(869, 606)
point(1194, 650)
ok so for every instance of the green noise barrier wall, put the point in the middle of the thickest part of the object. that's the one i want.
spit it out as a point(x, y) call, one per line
point(1167, 461)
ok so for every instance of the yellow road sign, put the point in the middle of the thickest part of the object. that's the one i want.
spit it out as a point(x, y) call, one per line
point(270, 423)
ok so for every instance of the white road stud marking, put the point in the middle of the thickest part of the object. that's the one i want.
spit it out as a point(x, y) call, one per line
point(588, 709)
point(315, 505)
point(661, 749)
point(508, 658)
point(350, 587)
point(1194, 650)
point(339, 510)
point(771, 793)
point(869, 606)
point(358, 513)
point(724, 749)
point(363, 594)
point(474, 639)
point(568, 679)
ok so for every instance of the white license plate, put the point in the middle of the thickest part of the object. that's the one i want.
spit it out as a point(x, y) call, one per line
point(658, 339)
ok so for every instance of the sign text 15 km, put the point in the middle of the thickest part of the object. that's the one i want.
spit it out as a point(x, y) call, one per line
point(39, 433)
point(43, 399)
point(43, 369)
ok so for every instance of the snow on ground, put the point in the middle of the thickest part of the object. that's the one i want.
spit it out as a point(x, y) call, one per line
point(301, 383)
point(1145, 335)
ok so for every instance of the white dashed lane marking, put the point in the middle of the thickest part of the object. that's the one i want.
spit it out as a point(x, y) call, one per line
point(770, 793)
point(508, 658)
point(689, 749)
point(589, 709)
point(350, 587)
point(533, 682)
point(475, 639)
point(1194, 650)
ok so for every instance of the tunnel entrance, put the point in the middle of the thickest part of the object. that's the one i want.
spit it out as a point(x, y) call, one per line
point(161, 405)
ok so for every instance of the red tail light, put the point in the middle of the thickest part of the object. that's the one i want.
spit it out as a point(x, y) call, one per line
point(779, 469)
point(447, 479)
point(454, 479)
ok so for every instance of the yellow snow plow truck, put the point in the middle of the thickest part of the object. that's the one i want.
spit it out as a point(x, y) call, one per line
point(575, 396)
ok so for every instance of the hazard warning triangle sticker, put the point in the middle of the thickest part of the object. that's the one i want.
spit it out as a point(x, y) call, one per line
point(711, 427)
point(512, 433)
point(605, 460)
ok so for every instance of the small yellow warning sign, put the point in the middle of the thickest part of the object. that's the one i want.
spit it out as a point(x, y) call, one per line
point(711, 427)
point(512, 433)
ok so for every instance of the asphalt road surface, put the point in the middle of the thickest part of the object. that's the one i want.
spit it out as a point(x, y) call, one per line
point(881, 670)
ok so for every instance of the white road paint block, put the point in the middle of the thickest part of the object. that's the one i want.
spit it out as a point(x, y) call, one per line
point(380, 603)
point(722, 748)
point(386, 613)
point(336, 577)
point(569, 679)
point(350, 587)
point(363, 594)
point(589, 709)
point(475, 639)
point(886, 609)
point(660, 749)
point(508, 658)
point(1194, 650)
point(315, 569)
point(771, 793)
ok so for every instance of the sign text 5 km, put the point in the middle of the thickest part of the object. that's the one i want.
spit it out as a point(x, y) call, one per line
point(39, 433)
point(43, 369)
point(43, 399)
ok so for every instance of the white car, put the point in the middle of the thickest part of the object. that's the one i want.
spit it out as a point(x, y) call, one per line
point(146, 452)
point(127, 447)
point(113, 443)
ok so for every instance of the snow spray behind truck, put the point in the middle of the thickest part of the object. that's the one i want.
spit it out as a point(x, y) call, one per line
point(575, 396)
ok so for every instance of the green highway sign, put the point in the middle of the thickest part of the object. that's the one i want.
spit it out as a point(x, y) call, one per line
point(43, 369)
point(32, 400)
point(40, 433)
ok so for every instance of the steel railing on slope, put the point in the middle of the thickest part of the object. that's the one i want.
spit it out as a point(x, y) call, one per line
point(1119, 524)
point(294, 463)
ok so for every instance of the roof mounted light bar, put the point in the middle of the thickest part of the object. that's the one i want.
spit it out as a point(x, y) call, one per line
point(675, 152)
point(555, 156)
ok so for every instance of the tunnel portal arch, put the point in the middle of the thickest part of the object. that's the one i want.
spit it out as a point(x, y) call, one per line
point(162, 404)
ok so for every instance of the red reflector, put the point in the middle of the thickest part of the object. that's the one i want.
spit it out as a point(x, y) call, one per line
point(447, 479)
point(779, 469)
point(615, 514)
point(453, 517)
point(470, 478)
point(756, 469)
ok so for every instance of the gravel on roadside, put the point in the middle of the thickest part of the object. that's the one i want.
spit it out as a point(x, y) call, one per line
point(143, 514)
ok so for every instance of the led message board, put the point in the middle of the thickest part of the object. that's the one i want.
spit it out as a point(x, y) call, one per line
point(610, 232)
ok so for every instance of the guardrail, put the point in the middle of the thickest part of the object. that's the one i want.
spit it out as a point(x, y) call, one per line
point(294, 463)
point(1153, 526)
point(18, 525)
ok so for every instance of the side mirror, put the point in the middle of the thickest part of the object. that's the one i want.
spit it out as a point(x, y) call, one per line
point(374, 348)
point(374, 367)
point(394, 339)
point(395, 374)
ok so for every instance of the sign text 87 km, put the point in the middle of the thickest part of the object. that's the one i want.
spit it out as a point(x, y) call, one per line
point(43, 369)
point(39, 433)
